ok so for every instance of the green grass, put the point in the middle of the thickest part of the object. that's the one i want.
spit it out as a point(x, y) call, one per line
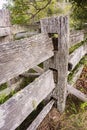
point(3, 86)
point(75, 116)
point(4, 98)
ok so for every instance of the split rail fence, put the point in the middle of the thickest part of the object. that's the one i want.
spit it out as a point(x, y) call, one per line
point(17, 57)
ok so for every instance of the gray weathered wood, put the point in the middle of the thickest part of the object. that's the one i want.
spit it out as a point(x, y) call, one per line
point(17, 108)
point(19, 56)
point(49, 25)
point(76, 37)
point(32, 28)
point(59, 63)
point(77, 93)
point(30, 75)
point(41, 116)
point(76, 75)
point(38, 69)
point(24, 34)
point(5, 31)
point(76, 56)
point(6, 39)
point(71, 87)
point(72, 82)
point(11, 88)
point(5, 28)
point(4, 18)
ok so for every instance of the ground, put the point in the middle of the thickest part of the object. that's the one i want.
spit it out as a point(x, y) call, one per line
point(75, 115)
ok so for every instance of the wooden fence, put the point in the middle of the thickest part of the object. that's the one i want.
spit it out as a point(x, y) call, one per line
point(16, 57)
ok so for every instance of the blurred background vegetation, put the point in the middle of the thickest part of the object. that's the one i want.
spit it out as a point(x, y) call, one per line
point(26, 12)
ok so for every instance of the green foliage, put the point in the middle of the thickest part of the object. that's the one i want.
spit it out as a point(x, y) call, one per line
point(2, 98)
point(79, 15)
point(30, 11)
point(84, 106)
point(26, 12)
point(78, 3)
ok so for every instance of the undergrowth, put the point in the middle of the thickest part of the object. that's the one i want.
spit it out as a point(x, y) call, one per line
point(4, 97)
point(3, 86)
point(83, 61)
point(75, 116)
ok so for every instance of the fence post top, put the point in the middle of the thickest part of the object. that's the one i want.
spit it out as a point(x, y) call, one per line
point(4, 18)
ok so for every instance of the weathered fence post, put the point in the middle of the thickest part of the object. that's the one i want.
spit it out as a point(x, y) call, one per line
point(5, 26)
point(59, 63)
point(5, 29)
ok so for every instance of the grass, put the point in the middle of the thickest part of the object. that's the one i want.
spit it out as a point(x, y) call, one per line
point(4, 98)
point(74, 122)
point(3, 86)
point(75, 116)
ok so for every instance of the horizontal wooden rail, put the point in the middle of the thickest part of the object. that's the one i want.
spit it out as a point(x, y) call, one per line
point(75, 38)
point(41, 116)
point(76, 75)
point(16, 57)
point(14, 87)
point(5, 31)
point(30, 75)
point(77, 55)
point(16, 109)
point(24, 34)
point(4, 18)
point(71, 87)
point(38, 69)
point(77, 93)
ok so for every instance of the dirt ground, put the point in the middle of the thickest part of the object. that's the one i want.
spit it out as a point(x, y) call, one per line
point(74, 117)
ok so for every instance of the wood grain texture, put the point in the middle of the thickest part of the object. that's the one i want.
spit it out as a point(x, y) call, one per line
point(76, 37)
point(17, 108)
point(77, 55)
point(41, 116)
point(59, 62)
point(62, 62)
point(4, 18)
point(49, 25)
point(16, 57)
